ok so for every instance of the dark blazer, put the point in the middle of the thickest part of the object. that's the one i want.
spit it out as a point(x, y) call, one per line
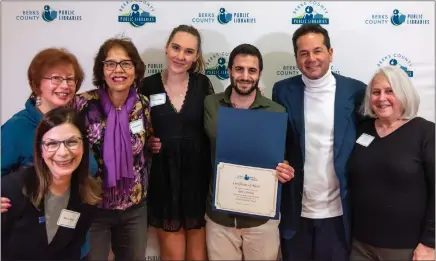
point(348, 99)
point(24, 237)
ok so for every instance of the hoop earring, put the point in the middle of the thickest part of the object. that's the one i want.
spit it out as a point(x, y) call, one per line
point(38, 101)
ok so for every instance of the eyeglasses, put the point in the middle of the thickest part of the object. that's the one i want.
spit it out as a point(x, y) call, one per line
point(112, 65)
point(57, 80)
point(53, 145)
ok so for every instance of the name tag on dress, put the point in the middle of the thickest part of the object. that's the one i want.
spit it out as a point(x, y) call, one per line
point(137, 126)
point(157, 99)
point(365, 139)
point(68, 218)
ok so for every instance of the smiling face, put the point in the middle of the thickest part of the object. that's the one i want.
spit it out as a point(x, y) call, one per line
point(57, 92)
point(313, 57)
point(118, 77)
point(181, 52)
point(244, 74)
point(62, 158)
point(384, 103)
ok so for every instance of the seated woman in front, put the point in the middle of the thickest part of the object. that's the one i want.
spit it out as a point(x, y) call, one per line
point(54, 199)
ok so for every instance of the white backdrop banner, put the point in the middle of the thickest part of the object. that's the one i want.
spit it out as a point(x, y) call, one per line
point(376, 33)
point(364, 36)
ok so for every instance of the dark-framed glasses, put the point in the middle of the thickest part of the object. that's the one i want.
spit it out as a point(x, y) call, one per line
point(72, 143)
point(112, 65)
point(57, 80)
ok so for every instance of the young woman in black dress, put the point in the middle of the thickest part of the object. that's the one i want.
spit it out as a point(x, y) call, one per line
point(181, 167)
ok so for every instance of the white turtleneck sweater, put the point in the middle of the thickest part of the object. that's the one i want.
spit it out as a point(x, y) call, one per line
point(321, 197)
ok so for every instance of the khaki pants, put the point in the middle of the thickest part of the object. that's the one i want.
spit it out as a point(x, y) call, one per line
point(229, 243)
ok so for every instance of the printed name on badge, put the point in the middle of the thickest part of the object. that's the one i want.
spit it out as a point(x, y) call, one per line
point(137, 126)
point(365, 139)
point(157, 99)
point(68, 218)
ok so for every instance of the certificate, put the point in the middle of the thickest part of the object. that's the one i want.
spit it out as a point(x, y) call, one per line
point(249, 145)
point(253, 190)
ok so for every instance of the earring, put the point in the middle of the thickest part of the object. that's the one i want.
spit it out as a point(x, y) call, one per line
point(38, 101)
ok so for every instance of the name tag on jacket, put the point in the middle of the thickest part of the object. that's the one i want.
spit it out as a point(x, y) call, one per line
point(68, 218)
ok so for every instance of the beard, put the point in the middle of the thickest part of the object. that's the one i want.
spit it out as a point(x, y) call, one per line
point(234, 82)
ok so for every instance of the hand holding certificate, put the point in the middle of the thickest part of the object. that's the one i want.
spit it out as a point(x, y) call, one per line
point(250, 144)
point(254, 190)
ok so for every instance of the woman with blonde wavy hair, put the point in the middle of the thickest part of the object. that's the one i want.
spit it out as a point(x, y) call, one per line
point(180, 169)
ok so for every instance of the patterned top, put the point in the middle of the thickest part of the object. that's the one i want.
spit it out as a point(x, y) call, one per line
point(88, 104)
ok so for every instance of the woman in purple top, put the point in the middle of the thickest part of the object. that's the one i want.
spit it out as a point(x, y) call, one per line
point(118, 123)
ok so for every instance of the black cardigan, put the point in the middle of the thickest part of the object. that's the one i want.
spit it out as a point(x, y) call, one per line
point(24, 237)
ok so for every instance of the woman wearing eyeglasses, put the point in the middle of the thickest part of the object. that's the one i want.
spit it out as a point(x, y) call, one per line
point(54, 199)
point(118, 123)
point(54, 77)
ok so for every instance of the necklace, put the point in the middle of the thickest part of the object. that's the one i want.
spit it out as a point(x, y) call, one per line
point(171, 91)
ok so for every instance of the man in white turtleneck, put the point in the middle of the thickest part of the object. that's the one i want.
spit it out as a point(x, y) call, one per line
point(322, 108)
point(321, 197)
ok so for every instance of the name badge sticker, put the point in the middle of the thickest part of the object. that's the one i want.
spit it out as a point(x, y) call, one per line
point(157, 99)
point(137, 126)
point(68, 218)
point(365, 140)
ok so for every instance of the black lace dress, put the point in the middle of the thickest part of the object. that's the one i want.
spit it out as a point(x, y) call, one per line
point(180, 173)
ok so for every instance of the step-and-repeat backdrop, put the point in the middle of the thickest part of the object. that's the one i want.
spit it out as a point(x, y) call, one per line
point(364, 36)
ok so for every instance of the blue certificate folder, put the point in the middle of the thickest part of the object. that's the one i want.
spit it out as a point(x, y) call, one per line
point(255, 138)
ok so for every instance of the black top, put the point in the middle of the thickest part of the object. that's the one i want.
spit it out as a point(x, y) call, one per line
point(24, 234)
point(392, 186)
point(180, 172)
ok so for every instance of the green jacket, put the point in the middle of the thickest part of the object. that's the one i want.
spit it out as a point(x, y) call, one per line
point(211, 105)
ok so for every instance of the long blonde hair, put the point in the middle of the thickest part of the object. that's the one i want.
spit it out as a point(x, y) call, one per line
point(199, 64)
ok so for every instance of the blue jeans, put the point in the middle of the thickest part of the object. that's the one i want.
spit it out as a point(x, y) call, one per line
point(125, 231)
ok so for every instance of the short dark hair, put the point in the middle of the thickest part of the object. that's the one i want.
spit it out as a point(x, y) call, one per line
point(310, 28)
point(132, 52)
point(245, 49)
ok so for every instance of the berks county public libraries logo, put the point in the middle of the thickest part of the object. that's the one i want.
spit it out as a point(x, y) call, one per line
point(287, 71)
point(223, 16)
point(216, 64)
point(49, 14)
point(399, 60)
point(137, 13)
point(311, 12)
point(396, 18)
point(153, 68)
